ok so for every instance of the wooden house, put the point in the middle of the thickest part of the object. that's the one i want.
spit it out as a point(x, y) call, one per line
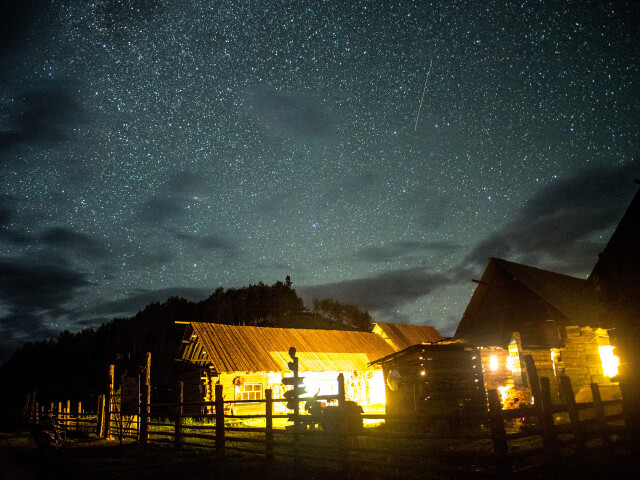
point(246, 360)
point(434, 378)
point(518, 309)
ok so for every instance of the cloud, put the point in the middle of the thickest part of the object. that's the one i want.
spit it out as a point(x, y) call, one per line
point(289, 115)
point(206, 242)
point(395, 250)
point(32, 298)
point(386, 291)
point(560, 218)
point(30, 286)
point(69, 241)
point(138, 300)
point(172, 198)
point(47, 118)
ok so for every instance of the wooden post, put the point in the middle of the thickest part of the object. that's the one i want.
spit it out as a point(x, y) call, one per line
point(499, 435)
point(146, 402)
point(570, 401)
point(78, 417)
point(100, 417)
point(108, 401)
point(268, 396)
point(599, 409)
point(538, 403)
point(219, 402)
point(67, 422)
point(59, 415)
point(547, 418)
point(179, 411)
point(342, 427)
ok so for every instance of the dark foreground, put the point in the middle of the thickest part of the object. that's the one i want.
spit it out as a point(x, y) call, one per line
point(90, 458)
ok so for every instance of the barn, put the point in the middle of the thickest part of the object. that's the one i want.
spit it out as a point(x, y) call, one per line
point(247, 360)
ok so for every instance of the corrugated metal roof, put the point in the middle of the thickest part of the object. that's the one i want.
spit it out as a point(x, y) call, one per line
point(232, 348)
point(402, 336)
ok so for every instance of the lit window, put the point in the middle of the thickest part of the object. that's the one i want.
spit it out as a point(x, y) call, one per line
point(249, 391)
point(610, 362)
point(493, 363)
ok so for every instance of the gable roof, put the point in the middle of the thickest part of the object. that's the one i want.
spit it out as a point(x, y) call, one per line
point(401, 336)
point(513, 297)
point(563, 292)
point(233, 348)
point(619, 262)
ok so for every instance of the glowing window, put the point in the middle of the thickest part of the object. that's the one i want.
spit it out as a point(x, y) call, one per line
point(493, 363)
point(610, 362)
point(249, 391)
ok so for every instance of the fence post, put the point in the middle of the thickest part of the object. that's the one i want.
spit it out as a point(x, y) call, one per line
point(78, 417)
point(179, 411)
point(100, 416)
point(268, 396)
point(146, 401)
point(343, 426)
point(548, 423)
point(67, 416)
point(108, 400)
point(219, 402)
point(499, 435)
point(570, 400)
point(602, 420)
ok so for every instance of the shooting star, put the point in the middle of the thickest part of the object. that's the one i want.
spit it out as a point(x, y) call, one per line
point(424, 89)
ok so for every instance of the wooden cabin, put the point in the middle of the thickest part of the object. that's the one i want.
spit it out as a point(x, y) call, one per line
point(518, 309)
point(246, 360)
point(436, 378)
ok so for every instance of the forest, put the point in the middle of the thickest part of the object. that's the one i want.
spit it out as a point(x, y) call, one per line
point(74, 365)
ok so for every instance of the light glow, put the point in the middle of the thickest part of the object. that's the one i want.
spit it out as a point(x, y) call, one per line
point(610, 362)
point(376, 388)
point(503, 392)
point(510, 363)
point(493, 363)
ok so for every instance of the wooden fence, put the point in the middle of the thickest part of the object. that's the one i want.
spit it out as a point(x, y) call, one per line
point(500, 441)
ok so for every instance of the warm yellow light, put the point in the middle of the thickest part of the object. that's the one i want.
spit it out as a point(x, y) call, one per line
point(510, 363)
point(503, 392)
point(493, 363)
point(376, 388)
point(610, 362)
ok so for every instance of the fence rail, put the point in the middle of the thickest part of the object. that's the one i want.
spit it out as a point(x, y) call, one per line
point(500, 441)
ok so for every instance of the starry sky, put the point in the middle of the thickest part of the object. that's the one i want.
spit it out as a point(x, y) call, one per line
point(376, 152)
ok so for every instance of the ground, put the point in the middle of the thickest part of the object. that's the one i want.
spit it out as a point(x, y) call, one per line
point(90, 458)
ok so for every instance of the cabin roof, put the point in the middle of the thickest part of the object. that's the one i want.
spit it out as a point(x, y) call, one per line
point(401, 335)
point(233, 348)
point(495, 309)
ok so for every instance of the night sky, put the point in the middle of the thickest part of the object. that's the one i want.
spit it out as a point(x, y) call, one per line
point(376, 152)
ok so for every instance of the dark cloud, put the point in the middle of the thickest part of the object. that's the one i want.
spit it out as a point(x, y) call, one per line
point(32, 297)
point(161, 209)
point(16, 19)
point(289, 115)
point(175, 194)
point(386, 291)
point(353, 190)
point(72, 242)
point(206, 242)
point(47, 118)
point(558, 220)
point(187, 184)
point(29, 285)
point(394, 250)
point(138, 300)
